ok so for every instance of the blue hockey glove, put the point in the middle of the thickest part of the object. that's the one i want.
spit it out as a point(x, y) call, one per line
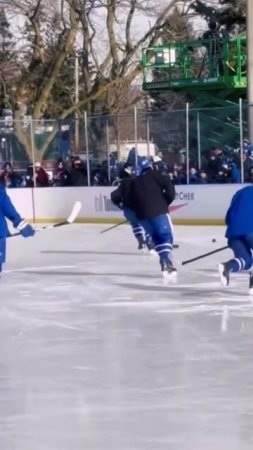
point(25, 229)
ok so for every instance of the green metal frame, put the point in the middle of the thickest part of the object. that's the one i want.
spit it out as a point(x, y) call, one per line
point(198, 64)
point(212, 72)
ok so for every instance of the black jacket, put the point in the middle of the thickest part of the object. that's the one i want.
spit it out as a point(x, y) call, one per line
point(151, 194)
point(122, 197)
point(78, 176)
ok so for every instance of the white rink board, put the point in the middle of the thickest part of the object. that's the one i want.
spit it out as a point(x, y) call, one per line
point(23, 200)
point(206, 203)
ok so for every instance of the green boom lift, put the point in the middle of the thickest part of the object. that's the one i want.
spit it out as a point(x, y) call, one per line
point(212, 72)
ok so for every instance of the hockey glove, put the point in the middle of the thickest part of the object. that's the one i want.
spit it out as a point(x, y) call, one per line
point(25, 229)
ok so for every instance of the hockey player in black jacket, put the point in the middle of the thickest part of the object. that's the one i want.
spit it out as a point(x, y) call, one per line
point(151, 194)
point(121, 197)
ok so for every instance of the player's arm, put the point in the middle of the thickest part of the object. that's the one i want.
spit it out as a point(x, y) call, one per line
point(117, 196)
point(231, 208)
point(168, 188)
point(11, 213)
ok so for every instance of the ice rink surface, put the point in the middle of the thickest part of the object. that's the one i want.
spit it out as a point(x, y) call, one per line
point(98, 352)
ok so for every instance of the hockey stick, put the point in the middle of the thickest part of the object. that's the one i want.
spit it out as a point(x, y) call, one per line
point(72, 217)
point(122, 223)
point(204, 255)
point(114, 226)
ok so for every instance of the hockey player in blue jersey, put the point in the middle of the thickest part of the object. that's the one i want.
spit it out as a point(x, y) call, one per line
point(8, 211)
point(239, 221)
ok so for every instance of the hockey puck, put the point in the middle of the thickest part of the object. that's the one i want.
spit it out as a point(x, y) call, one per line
point(213, 240)
point(175, 246)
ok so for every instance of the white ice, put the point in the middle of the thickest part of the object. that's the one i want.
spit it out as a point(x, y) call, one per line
point(98, 352)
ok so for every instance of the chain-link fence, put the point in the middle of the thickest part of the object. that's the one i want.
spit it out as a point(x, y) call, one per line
point(194, 142)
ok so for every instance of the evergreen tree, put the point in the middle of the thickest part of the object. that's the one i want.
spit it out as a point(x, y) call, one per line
point(230, 14)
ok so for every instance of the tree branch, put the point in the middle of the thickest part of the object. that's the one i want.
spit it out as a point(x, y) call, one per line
point(128, 25)
point(111, 7)
point(57, 63)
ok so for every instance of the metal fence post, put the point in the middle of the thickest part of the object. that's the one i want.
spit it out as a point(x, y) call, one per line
point(76, 76)
point(199, 141)
point(87, 146)
point(136, 135)
point(148, 135)
point(33, 152)
point(187, 145)
point(241, 139)
point(108, 151)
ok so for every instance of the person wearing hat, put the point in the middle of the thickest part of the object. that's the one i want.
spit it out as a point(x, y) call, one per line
point(78, 173)
point(41, 175)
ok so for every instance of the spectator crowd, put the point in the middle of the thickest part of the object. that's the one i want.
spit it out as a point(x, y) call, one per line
point(222, 166)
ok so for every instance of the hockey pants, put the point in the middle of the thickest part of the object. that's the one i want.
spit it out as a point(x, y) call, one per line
point(242, 247)
point(137, 228)
point(160, 229)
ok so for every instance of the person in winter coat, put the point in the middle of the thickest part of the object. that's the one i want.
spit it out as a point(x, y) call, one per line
point(78, 173)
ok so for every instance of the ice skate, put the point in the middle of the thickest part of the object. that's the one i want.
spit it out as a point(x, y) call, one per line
point(142, 245)
point(150, 245)
point(251, 283)
point(168, 270)
point(224, 274)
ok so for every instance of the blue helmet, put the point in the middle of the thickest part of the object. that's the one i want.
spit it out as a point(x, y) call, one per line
point(133, 171)
point(144, 163)
point(250, 150)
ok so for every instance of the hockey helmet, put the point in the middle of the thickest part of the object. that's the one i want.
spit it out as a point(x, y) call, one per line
point(144, 163)
point(250, 150)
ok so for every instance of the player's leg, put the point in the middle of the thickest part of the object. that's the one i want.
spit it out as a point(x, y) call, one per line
point(2, 252)
point(242, 259)
point(149, 242)
point(163, 239)
point(249, 242)
point(137, 229)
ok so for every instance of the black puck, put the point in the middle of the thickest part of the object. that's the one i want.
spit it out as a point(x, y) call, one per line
point(175, 246)
point(213, 240)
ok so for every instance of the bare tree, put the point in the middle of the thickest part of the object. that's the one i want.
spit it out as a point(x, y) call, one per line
point(108, 34)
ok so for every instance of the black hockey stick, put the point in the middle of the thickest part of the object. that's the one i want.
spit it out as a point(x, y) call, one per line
point(122, 223)
point(114, 226)
point(72, 217)
point(204, 255)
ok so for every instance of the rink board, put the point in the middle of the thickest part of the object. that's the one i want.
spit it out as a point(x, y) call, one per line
point(195, 205)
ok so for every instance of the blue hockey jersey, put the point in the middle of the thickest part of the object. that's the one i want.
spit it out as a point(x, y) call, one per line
point(8, 211)
point(239, 217)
